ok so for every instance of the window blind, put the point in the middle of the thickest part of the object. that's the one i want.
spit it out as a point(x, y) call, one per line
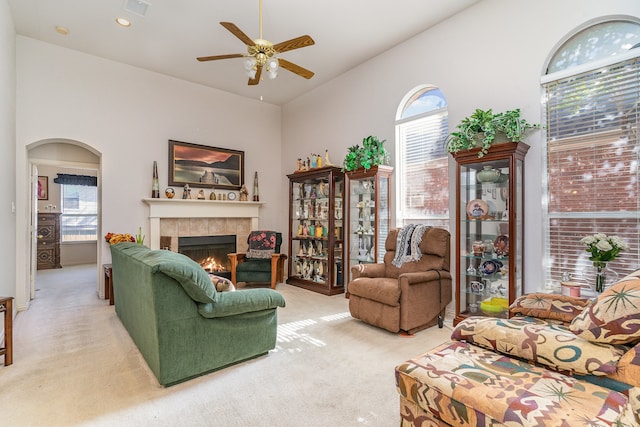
point(592, 166)
point(423, 171)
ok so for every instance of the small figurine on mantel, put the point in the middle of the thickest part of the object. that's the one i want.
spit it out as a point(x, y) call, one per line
point(186, 192)
point(244, 193)
point(201, 195)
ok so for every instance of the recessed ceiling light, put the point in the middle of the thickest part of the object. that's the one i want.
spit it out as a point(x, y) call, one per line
point(124, 22)
point(62, 30)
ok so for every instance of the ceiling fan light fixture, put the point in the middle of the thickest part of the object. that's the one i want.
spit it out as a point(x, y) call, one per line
point(272, 64)
point(250, 63)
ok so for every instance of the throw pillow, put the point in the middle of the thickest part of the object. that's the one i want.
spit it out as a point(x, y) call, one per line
point(222, 284)
point(549, 306)
point(262, 244)
point(614, 317)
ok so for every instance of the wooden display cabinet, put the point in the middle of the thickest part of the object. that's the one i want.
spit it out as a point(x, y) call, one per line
point(316, 232)
point(369, 215)
point(489, 232)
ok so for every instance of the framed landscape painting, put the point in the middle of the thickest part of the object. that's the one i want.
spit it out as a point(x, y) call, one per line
point(204, 166)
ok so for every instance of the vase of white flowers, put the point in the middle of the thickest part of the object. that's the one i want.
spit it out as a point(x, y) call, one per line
point(603, 249)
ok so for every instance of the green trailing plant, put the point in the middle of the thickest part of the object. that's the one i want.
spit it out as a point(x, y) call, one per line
point(479, 130)
point(371, 153)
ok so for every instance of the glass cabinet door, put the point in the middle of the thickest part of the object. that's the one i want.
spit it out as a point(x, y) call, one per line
point(369, 215)
point(489, 243)
point(316, 230)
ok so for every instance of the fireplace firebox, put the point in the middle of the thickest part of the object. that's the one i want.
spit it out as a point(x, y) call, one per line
point(210, 252)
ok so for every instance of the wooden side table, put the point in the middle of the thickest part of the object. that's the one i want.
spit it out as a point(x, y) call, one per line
point(108, 282)
point(6, 306)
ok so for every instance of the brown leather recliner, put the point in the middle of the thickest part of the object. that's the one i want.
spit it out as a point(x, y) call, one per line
point(409, 298)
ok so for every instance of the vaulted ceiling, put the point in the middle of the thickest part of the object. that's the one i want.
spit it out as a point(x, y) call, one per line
point(166, 36)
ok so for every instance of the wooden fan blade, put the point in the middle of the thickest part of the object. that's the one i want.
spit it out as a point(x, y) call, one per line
point(256, 79)
point(213, 58)
point(238, 33)
point(303, 72)
point(297, 43)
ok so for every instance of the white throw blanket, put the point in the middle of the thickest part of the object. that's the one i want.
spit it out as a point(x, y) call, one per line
point(407, 245)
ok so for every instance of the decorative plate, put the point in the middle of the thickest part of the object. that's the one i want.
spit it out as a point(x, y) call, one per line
point(231, 195)
point(477, 209)
point(501, 245)
point(490, 267)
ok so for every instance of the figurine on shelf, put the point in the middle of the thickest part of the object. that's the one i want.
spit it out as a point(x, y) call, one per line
point(299, 166)
point(319, 160)
point(327, 162)
point(244, 193)
point(186, 192)
point(212, 196)
point(200, 195)
point(314, 161)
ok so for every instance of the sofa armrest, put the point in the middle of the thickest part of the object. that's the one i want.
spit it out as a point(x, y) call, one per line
point(549, 306)
point(368, 270)
point(235, 303)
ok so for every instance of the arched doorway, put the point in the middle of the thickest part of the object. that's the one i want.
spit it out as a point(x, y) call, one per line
point(48, 159)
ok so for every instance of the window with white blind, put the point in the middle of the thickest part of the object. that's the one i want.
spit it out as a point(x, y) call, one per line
point(79, 219)
point(592, 95)
point(422, 178)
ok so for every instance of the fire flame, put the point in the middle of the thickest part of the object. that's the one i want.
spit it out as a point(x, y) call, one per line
point(210, 264)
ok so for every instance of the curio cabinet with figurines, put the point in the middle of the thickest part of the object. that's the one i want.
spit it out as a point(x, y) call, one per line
point(368, 214)
point(316, 231)
point(489, 232)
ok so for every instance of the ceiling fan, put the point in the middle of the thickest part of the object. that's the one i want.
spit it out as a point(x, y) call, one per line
point(262, 54)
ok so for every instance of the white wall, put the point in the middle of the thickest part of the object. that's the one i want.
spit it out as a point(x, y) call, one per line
point(127, 115)
point(489, 56)
point(7, 164)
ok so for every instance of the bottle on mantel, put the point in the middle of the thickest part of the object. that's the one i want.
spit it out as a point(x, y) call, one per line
point(155, 187)
point(256, 195)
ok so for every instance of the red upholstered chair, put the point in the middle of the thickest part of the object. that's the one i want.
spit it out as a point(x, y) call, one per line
point(262, 263)
point(407, 298)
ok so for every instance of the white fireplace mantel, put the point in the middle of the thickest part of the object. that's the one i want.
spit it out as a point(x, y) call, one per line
point(193, 208)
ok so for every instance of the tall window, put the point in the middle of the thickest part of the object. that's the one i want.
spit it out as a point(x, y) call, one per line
point(422, 178)
point(592, 94)
point(79, 219)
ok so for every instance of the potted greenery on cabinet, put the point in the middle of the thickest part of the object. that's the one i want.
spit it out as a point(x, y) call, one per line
point(371, 153)
point(484, 128)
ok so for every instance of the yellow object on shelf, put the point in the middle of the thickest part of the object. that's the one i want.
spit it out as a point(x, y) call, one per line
point(494, 307)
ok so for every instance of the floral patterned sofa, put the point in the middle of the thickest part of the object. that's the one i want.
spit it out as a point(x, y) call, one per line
point(559, 361)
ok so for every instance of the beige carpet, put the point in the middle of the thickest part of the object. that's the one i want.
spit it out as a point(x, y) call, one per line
point(75, 365)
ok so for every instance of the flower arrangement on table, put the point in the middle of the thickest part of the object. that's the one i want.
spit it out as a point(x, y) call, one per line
point(113, 238)
point(603, 249)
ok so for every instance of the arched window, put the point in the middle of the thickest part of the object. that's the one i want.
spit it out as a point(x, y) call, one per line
point(592, 94)
point(422, 183)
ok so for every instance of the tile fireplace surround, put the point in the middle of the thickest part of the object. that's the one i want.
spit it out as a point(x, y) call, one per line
point(179, 218)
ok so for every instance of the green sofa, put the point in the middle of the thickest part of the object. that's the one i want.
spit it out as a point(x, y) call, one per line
point(181, 325)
